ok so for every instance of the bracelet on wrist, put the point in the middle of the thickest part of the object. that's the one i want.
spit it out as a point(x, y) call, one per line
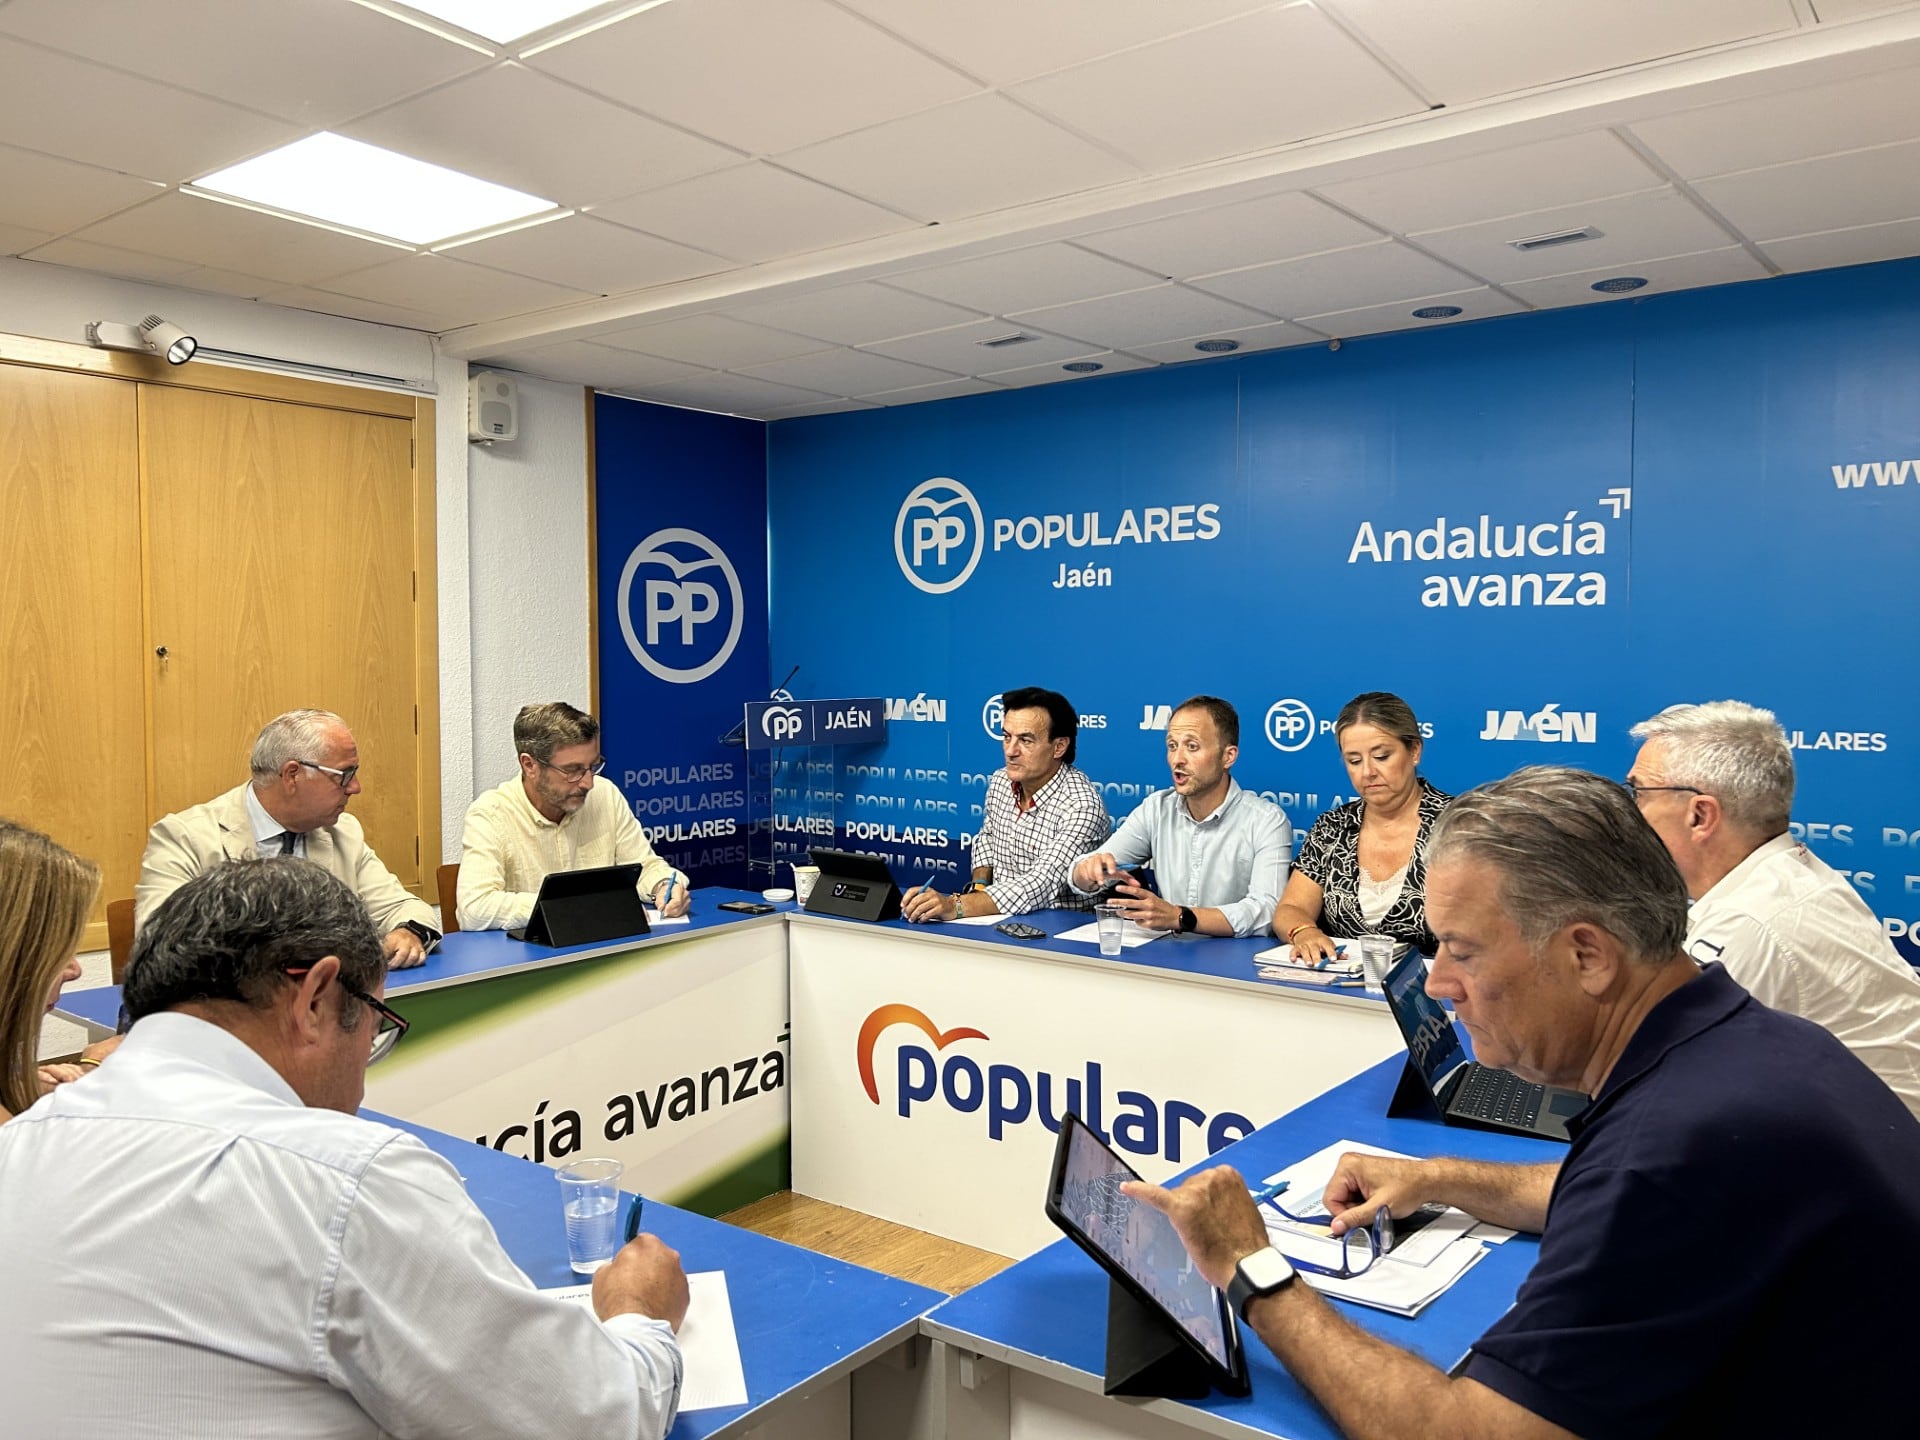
point(1309, 925)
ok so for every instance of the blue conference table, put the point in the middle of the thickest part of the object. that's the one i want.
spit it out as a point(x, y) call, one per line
point(804, 1320)
point(1045, 1317)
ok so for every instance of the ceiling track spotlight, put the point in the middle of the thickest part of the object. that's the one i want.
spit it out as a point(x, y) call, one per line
point(152, 336)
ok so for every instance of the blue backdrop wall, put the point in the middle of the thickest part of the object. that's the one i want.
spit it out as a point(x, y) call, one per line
point(1538, 529)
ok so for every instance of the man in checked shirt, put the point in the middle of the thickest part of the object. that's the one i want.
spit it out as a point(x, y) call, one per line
point(1040, 813)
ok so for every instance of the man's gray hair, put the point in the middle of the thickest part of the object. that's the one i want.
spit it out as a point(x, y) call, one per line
point(232, 933)
point(1735, 752)
point(539, 730)
point(297, 735)
point(1569, 846)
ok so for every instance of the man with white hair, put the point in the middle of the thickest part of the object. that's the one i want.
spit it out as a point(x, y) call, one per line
point(305, 768)
point(1715, 782)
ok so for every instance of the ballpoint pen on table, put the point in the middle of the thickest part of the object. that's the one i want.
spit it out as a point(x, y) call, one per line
point(633, 1218)
point(1279, 1187)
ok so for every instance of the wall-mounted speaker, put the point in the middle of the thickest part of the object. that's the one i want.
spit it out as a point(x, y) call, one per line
point(493, 407)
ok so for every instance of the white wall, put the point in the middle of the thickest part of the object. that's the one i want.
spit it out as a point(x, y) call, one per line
point(527, 506)
point(512, 523)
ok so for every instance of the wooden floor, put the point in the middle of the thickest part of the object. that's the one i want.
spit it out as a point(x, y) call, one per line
point(877, 1244)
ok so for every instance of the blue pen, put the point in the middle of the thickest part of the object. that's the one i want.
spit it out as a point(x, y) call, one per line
point(1279, 1187)
point(928, 885)
point(669, 900)
point(633, 1218)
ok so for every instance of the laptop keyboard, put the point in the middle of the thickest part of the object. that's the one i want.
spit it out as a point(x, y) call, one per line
point(1498, 1095)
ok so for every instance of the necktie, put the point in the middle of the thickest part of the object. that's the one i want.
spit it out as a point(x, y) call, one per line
point(287, 837)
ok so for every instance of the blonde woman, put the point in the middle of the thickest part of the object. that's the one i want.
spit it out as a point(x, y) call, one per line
point(46, 894)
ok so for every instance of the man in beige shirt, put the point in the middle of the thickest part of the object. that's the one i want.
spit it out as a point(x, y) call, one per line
point(306, 768)
point(552, 816)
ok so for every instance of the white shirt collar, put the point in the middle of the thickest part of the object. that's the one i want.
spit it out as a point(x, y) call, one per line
point(187, 1037)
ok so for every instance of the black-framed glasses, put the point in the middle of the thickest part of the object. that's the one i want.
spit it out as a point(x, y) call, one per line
point(390, 1023)
point(1377, 1238)
point(343, 778)
point(573, 774)
point(1636, 789)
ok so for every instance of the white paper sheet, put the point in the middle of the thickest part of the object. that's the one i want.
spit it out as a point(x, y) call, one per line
point(708, 1343)
point(1131, 938)
point(655, 919)
point(1345, 961)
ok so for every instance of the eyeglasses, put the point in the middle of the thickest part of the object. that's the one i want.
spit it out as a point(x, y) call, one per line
point(574, 774)
point(1378, 1238)
point(1636, 789)
point(391, 1024)
point(343, 778)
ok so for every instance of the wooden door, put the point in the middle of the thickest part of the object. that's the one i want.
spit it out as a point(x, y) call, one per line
point(281, 574)
point(72, 752)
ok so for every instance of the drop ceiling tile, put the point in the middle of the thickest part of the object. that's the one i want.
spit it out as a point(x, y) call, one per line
point(111, 260)
point(1832, 192)
point(352, 307)
point(97, 116)
point(992, 155)
point(312, 62)
point(15, 239)
point(452, 291)
point(58, 195)
point(1773, 129)
point(754, 212)
point(1340, 279)
point(1272, 336)
point(760, 75)
point(959, 350)
point(1374, 319)
point(522, 129)
point(580, 362)
point(716, 341)
point(1265, 79)
point(945, 390)
point(1858, 246)
point(1141, 317)
point(817, 407)
point(1504, 182)
point(1109, 363)
point(1674, 272)
point(856, 314)
point(847, 372)
point(1834, 10)
point(208, 232)
point(1513, 45)
point(226, 282)
point(1231, 237)
point(734, 394)
point(1007, 40)
point(1632, 227)
point(1025, 279)
point(588, 255)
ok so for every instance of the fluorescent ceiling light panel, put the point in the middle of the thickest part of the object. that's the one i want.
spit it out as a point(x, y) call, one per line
point(344, 182)
point(503, 20)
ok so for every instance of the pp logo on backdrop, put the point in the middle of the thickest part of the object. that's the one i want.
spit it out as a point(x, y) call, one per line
point(687, 627)
point(1290, 724)
point(938, 535)
point(993, 716)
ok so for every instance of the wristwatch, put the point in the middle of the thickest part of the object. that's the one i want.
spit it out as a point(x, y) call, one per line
point(1189, 922)
point(1261, 1273)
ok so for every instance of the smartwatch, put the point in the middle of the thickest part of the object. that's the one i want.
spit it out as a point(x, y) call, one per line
point(1261, 1273)
point(1189, 922)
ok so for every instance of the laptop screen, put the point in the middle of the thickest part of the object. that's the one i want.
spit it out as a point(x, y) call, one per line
point(1426, 1027)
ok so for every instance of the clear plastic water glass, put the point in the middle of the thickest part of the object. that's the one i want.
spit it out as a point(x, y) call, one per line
point(590, 1200)
point(1376, 959)
point(1113, 928)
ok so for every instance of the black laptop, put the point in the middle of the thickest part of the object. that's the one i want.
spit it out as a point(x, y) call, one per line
point(1439, 1076)
point(582, 907)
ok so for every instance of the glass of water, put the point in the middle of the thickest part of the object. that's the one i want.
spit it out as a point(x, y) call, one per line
point(590, 1200)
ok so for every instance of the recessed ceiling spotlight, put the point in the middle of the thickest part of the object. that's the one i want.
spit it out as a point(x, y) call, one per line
point(1216, 347)
point(1619, 284)
point(1082, 367)
point(1436, 312)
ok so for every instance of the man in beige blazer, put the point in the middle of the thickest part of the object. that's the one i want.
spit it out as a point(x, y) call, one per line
point(305, 769)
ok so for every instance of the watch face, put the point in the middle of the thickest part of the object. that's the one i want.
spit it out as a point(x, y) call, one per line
point(1265, 1270)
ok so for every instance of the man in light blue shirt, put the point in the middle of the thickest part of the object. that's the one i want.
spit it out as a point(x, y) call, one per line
point(1220, 854)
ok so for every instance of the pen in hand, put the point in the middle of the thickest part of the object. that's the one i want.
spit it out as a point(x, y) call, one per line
point(633, 1218)
point(669, 896)
point(1279, 1187)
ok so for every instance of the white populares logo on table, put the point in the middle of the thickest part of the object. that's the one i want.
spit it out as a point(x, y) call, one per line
point(709, 1347)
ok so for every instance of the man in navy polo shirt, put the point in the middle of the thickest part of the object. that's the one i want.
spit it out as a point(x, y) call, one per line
point(1741, 1187)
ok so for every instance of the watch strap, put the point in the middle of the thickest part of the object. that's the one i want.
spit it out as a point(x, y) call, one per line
point(1272, 1271)
point(1189, 922)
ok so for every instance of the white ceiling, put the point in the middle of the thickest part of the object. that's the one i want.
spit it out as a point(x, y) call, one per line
point(787, 207)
